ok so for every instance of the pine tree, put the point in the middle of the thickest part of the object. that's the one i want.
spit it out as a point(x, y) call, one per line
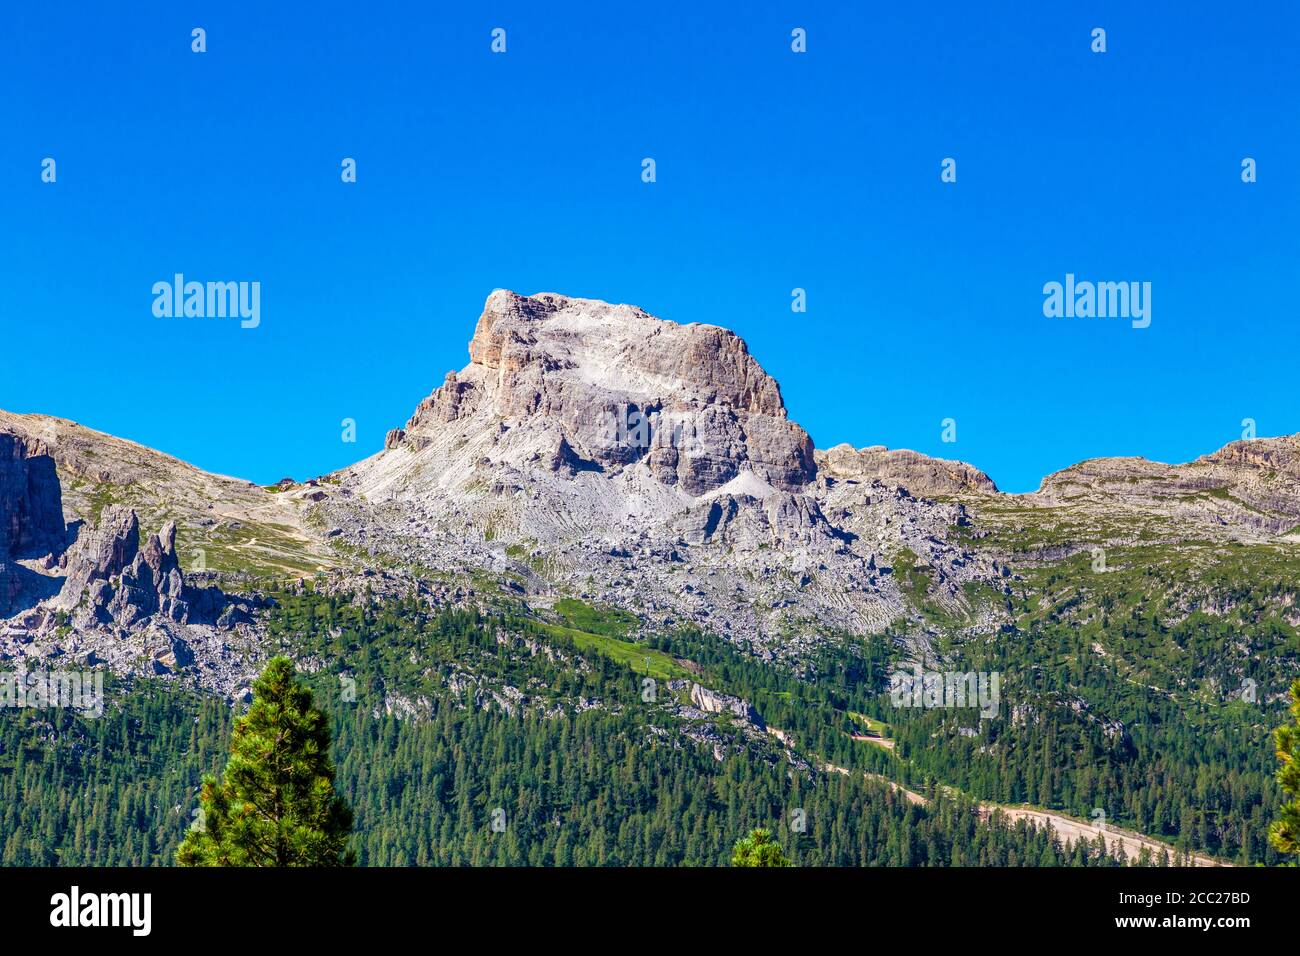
point(757, 849)
point(276, 805)
point(1285, 832)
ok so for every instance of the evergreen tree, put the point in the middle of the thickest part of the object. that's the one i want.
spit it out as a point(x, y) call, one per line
point(276, 805)
point(1285, 832)
point(757, 849)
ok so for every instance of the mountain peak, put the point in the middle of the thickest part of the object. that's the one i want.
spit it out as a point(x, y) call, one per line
point(619, 388)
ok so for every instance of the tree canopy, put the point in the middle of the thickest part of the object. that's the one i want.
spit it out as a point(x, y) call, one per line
point(276, 804)
point(1285, 832)
point(757, 849)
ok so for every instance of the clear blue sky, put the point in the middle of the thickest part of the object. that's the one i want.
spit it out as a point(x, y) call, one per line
point(775, 170)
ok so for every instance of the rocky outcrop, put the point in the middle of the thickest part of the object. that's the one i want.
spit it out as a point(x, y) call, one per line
point(713, 702)
point(622, 387)
point(100, 555)
point(919, 474)
point(31, 503)
point(95, 468)
point(1264, 456)
point(152, 583)
point(31, 511)
point(112, 579)
point(778, 519)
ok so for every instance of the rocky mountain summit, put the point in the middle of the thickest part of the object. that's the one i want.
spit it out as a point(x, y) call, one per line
point(583, 385)
point(595, 449)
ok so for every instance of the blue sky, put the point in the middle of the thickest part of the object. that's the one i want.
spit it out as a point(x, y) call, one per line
point(775, 171)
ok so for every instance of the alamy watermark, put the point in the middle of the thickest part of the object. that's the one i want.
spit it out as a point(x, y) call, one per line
point(73, 909)
point(208, 300)
point(626, 426)
point(975, 690)
point(80, 690)
point(1098, 300)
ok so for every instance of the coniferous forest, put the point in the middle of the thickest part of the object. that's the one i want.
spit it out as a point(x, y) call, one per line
point(468, 739)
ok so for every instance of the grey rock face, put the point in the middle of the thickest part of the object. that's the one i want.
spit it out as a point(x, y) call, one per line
point(111, 578)
point(712, 702)
point(688, 400)
point(31, 511)
point(100, 554)
point(31, 503)
point(778, 519)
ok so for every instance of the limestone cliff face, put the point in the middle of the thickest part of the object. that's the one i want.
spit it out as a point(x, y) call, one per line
point(602, 387)
point(31, 509)
point(31, 505)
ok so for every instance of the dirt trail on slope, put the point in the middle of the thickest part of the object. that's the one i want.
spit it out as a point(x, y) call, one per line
point(1068, 829)
point(1071, 830)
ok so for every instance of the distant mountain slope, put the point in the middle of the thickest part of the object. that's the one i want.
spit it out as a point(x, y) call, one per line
point(1247, 489)
point(237, 524)
point(918, 473)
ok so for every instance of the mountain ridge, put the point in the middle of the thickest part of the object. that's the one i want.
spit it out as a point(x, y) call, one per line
point(595, 451)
